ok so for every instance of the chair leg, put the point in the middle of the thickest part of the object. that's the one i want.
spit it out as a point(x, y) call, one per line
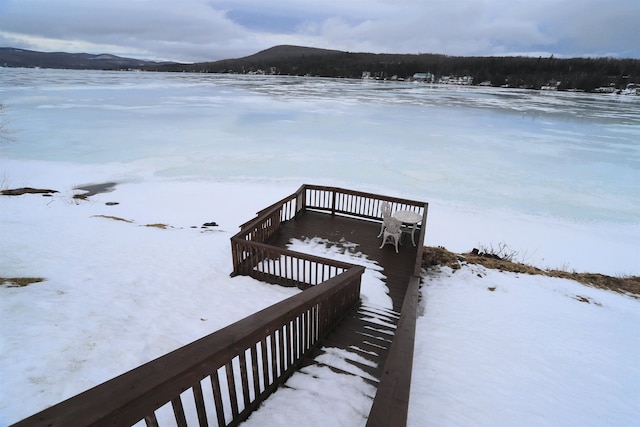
point(393, 239)
point(381, 229)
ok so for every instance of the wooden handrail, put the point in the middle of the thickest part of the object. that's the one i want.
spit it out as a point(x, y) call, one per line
point(334, 200)
point(282, 266)
point(240, 365)
point(391, 403)
point(253, 355)
point(365, 206)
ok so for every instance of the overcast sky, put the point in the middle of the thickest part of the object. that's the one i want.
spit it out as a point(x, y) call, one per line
point(203, 30)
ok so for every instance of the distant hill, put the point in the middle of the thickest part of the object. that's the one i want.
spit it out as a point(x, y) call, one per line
point(11, 57)
point(300, 60)
point(585, 74)
point(281, 57)
point(285, 52)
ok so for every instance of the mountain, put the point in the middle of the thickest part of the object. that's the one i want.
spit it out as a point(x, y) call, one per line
point(285, 58)
point(301, 60)
point(585, 74)
point(285, 52)
point(11, 57)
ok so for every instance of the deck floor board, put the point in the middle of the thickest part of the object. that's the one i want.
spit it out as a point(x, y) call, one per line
point(368, 330)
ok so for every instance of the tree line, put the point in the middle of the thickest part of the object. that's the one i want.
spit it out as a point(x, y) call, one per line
point(585, 74)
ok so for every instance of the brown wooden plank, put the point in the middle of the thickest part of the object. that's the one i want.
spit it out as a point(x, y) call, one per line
point(151, 420)
point(255, 368)
point(356, 333)
point(231, 386)
point(398, 267)
point(178, 411)
point(244, 379)
point(265, 362)
point(217, 397)
point(200, 408)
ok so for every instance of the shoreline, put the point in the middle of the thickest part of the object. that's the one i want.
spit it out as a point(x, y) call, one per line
point(433, 256)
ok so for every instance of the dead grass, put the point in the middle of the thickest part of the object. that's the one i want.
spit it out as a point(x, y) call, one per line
point(434, 256)
point(19, 282)
point(161, 226)
point(26, 190)
point(115, 218)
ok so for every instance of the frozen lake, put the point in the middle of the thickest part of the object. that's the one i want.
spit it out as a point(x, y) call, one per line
point(553, 175)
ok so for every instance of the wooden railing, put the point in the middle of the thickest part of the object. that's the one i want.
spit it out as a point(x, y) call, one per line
point(254, 257)
point(283, 267)
point(222, 377)
point(248, 253)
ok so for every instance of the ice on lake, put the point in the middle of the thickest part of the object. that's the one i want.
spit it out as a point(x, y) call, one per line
point(553, 175)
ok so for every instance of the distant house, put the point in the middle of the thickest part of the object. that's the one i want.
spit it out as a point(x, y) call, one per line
point(605, 89)
point(424, 77)
point(552, 85)
point(455, 80)
point(631, 89)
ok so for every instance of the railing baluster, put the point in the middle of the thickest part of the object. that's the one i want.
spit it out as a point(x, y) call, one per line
point(244, 379)
point(151, 420)
point(296, 338)
point(303, 333)
point(178, 411)
point(304, 272)
point(217, 397)
point(291, 347)
point(255, 369)
point(265, 362)
point(305, 330)
point(285, 272)
point(231, 385)
point(199, 400)
point(313, 324)
point(282, 345)
point(274, 357)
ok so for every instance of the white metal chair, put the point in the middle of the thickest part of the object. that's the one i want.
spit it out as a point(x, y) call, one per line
point(392, 232)
point(385, 209)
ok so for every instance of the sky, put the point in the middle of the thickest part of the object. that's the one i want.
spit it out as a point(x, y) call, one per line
point(208, 30)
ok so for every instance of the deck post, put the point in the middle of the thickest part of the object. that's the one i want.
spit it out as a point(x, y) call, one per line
point(333, 201)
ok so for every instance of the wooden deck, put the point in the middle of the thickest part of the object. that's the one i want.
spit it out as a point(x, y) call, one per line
point(226, 375)
point(368, 330)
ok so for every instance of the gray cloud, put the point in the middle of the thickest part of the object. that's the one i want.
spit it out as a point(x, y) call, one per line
point(199, 30)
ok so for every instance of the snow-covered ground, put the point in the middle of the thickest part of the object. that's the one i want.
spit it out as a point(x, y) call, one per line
point(492, 348)
point(555, 176)
point(505, 349)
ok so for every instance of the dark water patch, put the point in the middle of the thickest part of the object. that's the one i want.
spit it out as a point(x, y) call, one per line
point(93, 189)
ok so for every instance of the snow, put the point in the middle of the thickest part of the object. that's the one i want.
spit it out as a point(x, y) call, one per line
point(505, 349)
point(117, 294)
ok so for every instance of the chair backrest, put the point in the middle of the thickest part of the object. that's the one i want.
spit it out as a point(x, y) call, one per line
point(385, 209)
point(392, 225)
